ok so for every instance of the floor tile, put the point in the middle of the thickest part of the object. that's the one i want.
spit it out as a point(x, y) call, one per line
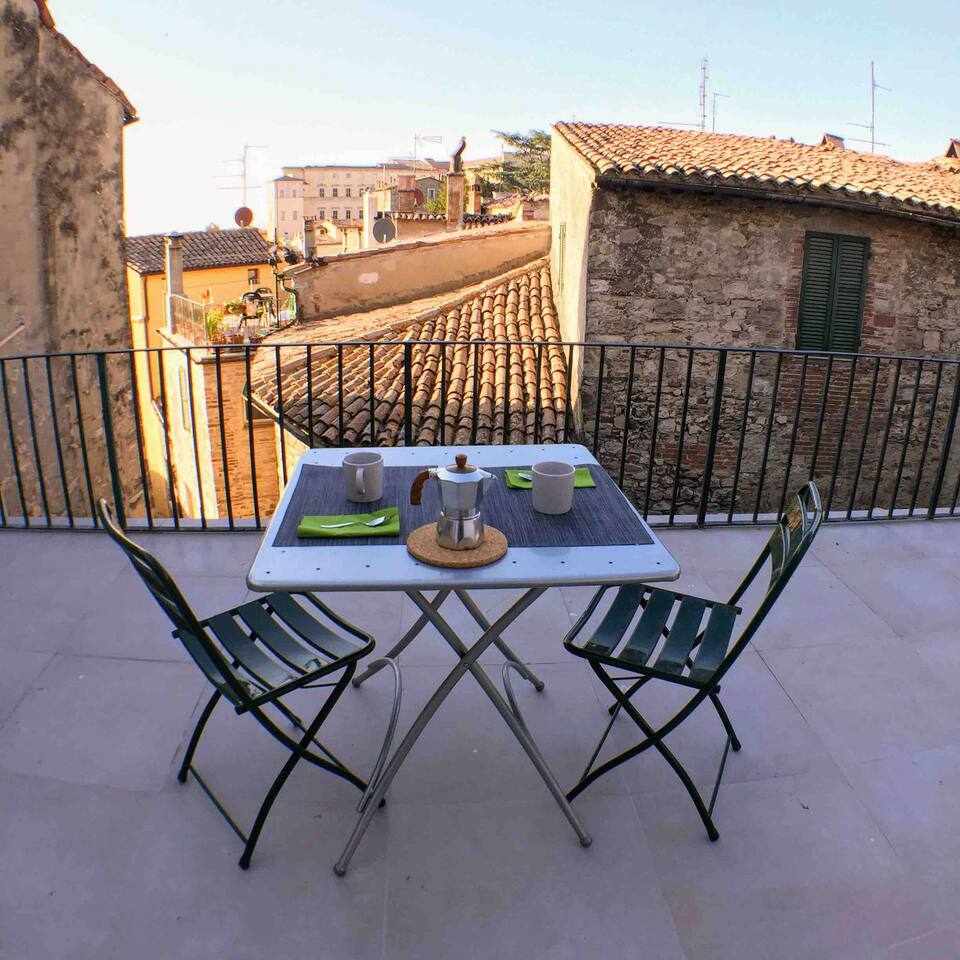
point(20, 670)
point(97, 720)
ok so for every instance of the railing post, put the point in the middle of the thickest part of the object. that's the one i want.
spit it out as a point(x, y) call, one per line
point(407, 394)
point(945, 447)
point(109, 440)
point(712, 442)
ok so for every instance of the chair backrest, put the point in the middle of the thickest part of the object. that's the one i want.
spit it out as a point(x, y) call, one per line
point(789, 542)
point(165, 591)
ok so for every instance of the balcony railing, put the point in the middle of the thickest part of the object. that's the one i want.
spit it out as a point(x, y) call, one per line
point(188, 437)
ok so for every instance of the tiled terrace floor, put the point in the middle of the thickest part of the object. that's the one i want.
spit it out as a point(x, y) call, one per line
point(839, 821)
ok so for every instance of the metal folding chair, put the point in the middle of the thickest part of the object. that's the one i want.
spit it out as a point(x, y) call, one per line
point(656, 634)
point(254, 655)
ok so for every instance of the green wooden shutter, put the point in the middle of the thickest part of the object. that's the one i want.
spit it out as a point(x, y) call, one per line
point(851, 272)
point(816, 293)
point(832, 292)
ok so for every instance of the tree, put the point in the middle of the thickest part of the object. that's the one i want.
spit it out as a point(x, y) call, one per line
point(525, 169)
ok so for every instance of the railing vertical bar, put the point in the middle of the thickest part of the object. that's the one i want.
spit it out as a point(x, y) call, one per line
point(568, 402)
point(712, 440)
point(310, 420)
point(58, 445)
point(506, 395)
point(956, 496)
point(442, 432)
point(766, 443)
point(626, 416)
point(138, 430)
point(35, 442)
point(821, 416)
point(886, 437)
point(793, 437)
point(653, 433)
point(743, 436)
point(223, 436)
point(250, 441)
point(15, 457)
point(537, 402)
point(340, 411)
point(945, 447)
point(906, 437)
point(842, 436)
point(174, 509)
point(866, 437)
point(475, 393)
point(683, 432)
point(371, 368)
point(196, 442)
point(283, 429)
point(926, 438)
point(82, 434)
point(407, 394)
point(599, 401)
point(110, 440)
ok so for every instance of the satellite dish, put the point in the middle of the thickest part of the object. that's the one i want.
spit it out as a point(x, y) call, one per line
point(384, 230)
point(418, 197)
point(243, 217)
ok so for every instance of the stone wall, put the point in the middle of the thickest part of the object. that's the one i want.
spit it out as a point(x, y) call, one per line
point(62, 283)
point(684, 268)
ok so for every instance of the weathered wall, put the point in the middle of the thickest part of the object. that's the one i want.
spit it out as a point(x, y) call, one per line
point(691, 269)
point(62, 274)
point(407, 271)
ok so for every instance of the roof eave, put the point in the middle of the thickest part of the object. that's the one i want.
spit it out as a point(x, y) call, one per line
point(811, 196)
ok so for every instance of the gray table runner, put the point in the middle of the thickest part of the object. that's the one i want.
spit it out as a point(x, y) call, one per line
point(600, 515)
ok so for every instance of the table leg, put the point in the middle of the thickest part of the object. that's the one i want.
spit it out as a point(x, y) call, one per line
point(489, 688)
point(402, 643)
point(433, 704)
point(477, 615)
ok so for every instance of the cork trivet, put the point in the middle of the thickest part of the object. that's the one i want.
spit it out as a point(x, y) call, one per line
point(422, 544)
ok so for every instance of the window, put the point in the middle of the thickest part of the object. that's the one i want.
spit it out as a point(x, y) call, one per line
point(322, 213)
point(335, 214)
point(347, 175)
point(431, 193)
point(320, 192)
point(359, 214)
point(335, 193)
point(832, 292)
point(253, 277)
point(282, 193)
point(346, 192)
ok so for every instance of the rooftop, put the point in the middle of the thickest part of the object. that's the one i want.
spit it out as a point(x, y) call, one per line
point(201, 249)
point(718, 160)
point(839, 826)
point(516, 307)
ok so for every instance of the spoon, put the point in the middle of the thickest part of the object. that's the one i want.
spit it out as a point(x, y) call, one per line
point(375, 522)
point(525, 475)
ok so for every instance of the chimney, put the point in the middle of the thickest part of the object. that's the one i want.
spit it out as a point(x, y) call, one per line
point(173, 269)
point(832, 141)
point(455, 185)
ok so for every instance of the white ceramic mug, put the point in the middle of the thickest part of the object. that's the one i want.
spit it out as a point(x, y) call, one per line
point(552, 486)
point(363, 476)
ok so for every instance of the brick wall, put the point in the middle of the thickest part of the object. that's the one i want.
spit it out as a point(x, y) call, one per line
point(701, 270)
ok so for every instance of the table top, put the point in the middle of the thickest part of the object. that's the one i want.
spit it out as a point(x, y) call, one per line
point(333, 566)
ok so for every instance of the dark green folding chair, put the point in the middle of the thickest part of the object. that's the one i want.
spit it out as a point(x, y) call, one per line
point(254, 655)
point(656, 634)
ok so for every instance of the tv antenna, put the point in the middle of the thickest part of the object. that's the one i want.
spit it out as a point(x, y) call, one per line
point(418, 139)
point(244, 161)
point(872, 125)
point(716, 96)
point(704, 78)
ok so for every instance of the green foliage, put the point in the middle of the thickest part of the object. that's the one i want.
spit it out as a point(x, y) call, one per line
point(439, 203)
point(213, 324)
point(236, 307)
point(525, 170)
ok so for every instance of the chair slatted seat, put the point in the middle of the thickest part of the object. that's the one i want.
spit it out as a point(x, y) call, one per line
point(684, 640)
point(255, 654)
point(641, 648)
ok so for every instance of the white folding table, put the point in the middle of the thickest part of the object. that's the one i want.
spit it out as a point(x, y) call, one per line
point(389, 567)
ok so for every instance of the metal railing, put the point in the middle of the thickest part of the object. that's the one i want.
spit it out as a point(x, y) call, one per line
point(208, 323)
point(187, 437)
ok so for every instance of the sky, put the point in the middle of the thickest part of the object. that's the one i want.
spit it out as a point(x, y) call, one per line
point(355, 82)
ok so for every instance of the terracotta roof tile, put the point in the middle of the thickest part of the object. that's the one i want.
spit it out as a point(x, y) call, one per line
point(484, 393)
point(204, 248)
point(661, 153)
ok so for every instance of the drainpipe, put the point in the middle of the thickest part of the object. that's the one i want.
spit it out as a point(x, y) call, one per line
point(173, 268)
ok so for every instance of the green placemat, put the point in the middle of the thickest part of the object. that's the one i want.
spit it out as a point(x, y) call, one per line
point(581, 478)
point(315, 526)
